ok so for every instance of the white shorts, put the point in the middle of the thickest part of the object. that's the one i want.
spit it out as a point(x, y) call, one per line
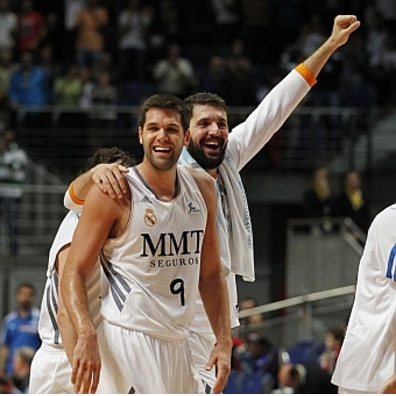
point(201, 347)
point(133, 362)
point(50, 372)
point(345, 391)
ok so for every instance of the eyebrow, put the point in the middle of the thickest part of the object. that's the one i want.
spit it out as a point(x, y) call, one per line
point(172, 124)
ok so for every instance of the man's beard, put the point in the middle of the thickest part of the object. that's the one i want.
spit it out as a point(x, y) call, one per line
point(203, 160)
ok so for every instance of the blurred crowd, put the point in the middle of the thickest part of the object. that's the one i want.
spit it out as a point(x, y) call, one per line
point(260, 365)
point(77, 52)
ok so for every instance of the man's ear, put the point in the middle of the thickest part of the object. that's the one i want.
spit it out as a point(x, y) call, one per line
point(187, 137)
point(140, 132)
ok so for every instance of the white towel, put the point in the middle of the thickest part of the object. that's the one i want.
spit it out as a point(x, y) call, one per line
point(235, 234)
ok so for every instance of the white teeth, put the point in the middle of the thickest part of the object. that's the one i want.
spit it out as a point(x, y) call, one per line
point(162, 149)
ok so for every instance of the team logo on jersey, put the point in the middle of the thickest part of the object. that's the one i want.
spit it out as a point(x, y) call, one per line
point(150, 218)
point(193, 208)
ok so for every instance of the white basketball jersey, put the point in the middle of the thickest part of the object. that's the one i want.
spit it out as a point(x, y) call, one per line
point(48, 323)
point(153, 267)
point(367, 358)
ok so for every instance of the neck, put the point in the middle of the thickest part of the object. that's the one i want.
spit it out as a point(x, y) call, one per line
point(163, 184)
point(212, 172)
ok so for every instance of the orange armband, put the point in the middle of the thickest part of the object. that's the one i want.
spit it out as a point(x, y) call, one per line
point(307, 74)
point(74, 197)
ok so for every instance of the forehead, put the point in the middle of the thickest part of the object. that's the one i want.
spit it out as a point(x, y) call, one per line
point(163, 116)
point(208, 111)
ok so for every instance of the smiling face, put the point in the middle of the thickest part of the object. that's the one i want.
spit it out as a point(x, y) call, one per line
point(208, 135)
point(162, 137)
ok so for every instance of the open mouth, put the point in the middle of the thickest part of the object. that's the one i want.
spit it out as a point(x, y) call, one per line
point(162, 150)
point(212, 146)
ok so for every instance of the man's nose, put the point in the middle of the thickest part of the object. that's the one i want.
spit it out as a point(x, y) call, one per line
point(214, 128)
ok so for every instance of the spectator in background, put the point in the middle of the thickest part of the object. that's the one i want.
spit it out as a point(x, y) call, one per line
point(333, 342)
point(31, 27)
point(68, 87)
point(22, 361)
point(13, 162)
point(261, 355)
point(306, 378)
point(318, 199)
point(256, 320)
point(175, 74)
point(350, 202)
point(91, 23)
point(8, 25)
point(20, 327)
point(134, 23)
point(29, 84)
point(67, 91)
point(255, 365)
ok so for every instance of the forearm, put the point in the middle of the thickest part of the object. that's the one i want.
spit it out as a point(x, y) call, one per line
point(248, 138)
point(74, 299)
point(109, 178)
point(80, 186)
point(214, 295)
point(69, 336)
point(319, 58)
point(344, 26)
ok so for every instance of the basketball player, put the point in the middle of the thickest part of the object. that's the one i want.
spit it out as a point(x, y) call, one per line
point(367, 357)
point(213, 149)
point(50, 371)
point(159, 249)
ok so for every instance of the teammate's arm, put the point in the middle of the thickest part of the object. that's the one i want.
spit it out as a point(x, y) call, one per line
point(213, 288)
point(69, 336)
point(108, 177)
point(89, 237)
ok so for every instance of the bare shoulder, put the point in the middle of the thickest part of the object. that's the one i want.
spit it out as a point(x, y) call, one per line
point(104, 201)
point(201, 177)
point(205, 183)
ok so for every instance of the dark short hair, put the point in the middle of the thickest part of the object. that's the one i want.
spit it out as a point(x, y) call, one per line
point(108, 155)
point(204, 98)
point(164, 101)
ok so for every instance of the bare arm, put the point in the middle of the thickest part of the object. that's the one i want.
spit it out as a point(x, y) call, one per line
point(69, 336)
point(343, 26)
point(88, 239)
point(389, 386)
point(108, 177)
point(213, 290)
